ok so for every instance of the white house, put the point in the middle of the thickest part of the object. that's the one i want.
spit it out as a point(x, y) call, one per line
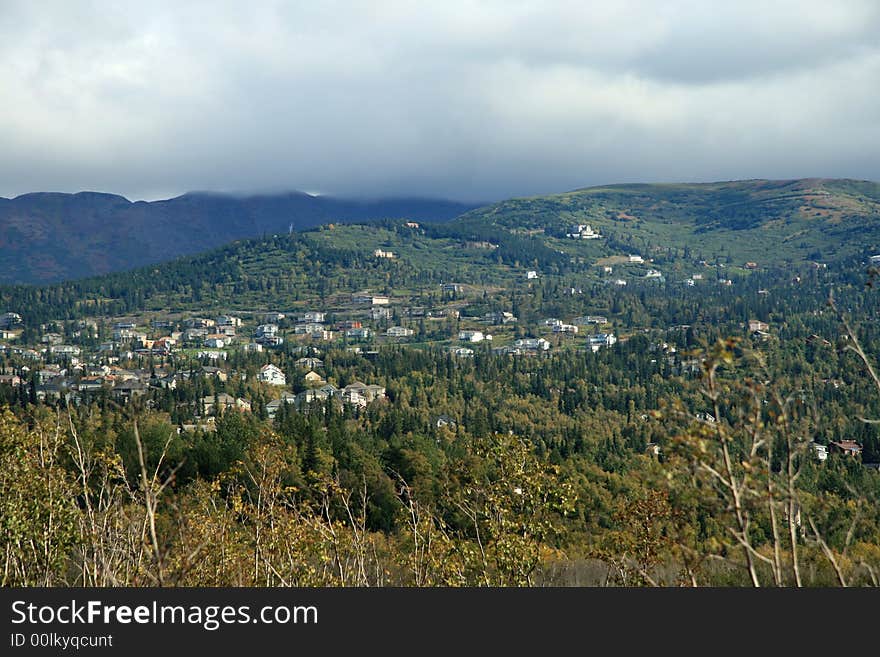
point(531, 274)
point(596, 342)
point(653, 273)
point(313, 316)
point(565, 328)
point(272, 375)
point(471, 336)
point(532, 344)
point(636, 258)
point(399, 332)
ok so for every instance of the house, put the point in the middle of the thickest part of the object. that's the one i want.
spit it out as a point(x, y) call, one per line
point(445, 421)
point(270, 340)
point(211, 354)
point(378, 314)
point(198, 322)
point(128, 390)
point(620, 282)
point(266, 330)
point(503, 317)
point(228, 320)
point(697, 277)
point(756, 325)
point(10, 380)
point(253, 347)
point(379, 253)
point(607, 269)
point(874, 260)
point(532, 344)
point(224, 402)
point(589, 319)
point(272, 375)
point(361, 394)
point(531, 275)
point(471, 336)
point(451, 287)
point(552, 322)
point(820, 451)
point(463, 352)
point(65, 350)
point(216, 372)
point(310, 327)
point(313, 378)
point(583, 232)
point(751, 265)
point(817, 339)
point(654, 273)
point(313, 317)
point(215, 342)
point(399, 332)
point(8, 320)
point(596, 342)
point(411, 224)
point(565, 328)
point(359, 333)
point(690, 282)
point(323, 334)
point(273, 406)
point(636, 258)
point(310, 362)
point(846, 447)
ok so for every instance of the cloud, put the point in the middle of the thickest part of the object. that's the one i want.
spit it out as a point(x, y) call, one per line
point(466, 99)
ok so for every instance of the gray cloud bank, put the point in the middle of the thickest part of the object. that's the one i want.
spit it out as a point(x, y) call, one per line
point(463, 99)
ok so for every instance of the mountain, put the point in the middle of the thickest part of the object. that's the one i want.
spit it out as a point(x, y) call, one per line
point(750, 220)
point(47, 237)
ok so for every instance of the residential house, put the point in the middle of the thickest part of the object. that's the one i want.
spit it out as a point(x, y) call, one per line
point(272, 375)
point(451, 287)
point(273, 317)
point(273, 406)
point(471, 336)
point(310, 327)
point(565, 328)
point(620, 282)
point(65, 350)
point(846, 447)
point(378, 314)
point(12, 380)
point(589, 319)
point(313, 316)
point(361, 394)
point(253, 347)
point(310, 362)
point(216, 372)
point(266, 330)
point(228, 321)
point(9, 319)
point(313, 378)
point(756, 325)
point(583, 232)
point(596, 342)
point(224, 402)
point(654, 273)
point(531, 275)
point(399, 332)
point(502, 317)
point(215, 342)
point(379, 253)
point(211, 354)
point(463, 352)
point(199, 322)
point(128, 389)
point(820, 451)
point(359, 333)
point(532, 344)
point(751, 265)
point(445, 421)
point(636, 259)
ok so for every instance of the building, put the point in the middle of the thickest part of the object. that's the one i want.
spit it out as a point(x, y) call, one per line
point(846, 447)
point(471, 336)
point(821, 451)
point(596, 342)
point(756, 325)
point(565, 328)
point(532, 344)
point(272, 375)
point(359, 333)
point(8, 320)
point(224, 402)
point(531, 275)
point(583, 232)
point(273, 406)
point(399, 332)
point(313, 378)
point(636, 258)
point(228, 321)
point(313, 317)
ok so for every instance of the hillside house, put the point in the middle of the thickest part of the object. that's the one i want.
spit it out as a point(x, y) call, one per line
point(228, 321)
point(223, 402)
point(636, 259)
point(532, 344)
point(399, 332)
point(846, 447)
point(531, 275)
point(380, 253)
point(272, 375)
point(359, 333)
point(313, 317)
point(565, 328)
point(756, 325)
point(9, 320)
point(471, 336)
point(596, 342)
point(310, 362)
point(273, 406)
point(313, 378)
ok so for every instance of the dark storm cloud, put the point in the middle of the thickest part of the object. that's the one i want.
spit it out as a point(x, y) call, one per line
point(470, 100)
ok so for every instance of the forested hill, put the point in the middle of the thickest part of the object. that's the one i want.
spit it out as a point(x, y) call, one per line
point(786, 221)
point(47, 237)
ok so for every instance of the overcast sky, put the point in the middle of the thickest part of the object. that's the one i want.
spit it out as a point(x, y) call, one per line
point(462, 99)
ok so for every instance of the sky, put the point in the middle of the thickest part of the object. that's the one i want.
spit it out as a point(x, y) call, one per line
point(459, 99)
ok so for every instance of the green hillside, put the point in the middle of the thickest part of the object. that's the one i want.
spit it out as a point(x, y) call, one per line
point(785, 221)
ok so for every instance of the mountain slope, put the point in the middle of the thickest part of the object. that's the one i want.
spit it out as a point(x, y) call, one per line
point(788, 221)
point(46, 237)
